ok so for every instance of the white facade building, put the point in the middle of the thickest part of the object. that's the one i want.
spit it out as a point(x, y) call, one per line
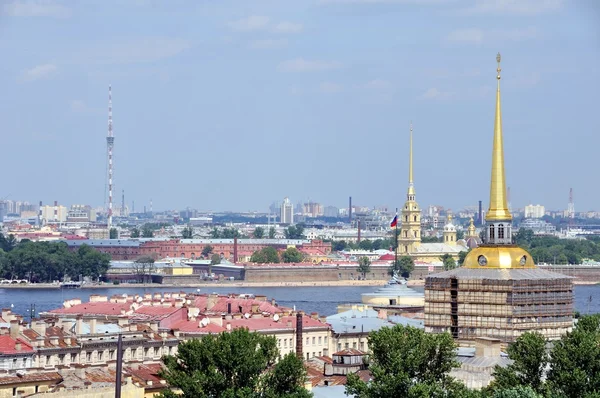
point(534, 211)
point(287, 212)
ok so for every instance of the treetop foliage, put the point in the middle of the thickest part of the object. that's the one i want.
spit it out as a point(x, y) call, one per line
point(233, 364)
point(551, 249)
point(50, 261)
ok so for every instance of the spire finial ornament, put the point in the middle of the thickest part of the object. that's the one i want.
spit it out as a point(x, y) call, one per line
point(498, 59)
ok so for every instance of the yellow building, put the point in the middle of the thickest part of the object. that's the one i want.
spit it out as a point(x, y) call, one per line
point(27, 384)
point(177, 268)
point(409, 238)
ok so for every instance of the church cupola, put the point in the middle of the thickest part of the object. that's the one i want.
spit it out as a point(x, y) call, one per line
point(449, 234)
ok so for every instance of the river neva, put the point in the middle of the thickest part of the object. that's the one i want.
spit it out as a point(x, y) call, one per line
point(323, 299)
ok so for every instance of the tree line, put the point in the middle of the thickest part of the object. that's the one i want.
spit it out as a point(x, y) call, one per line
point(553, 250)
point(49, 261)
point(407, 362)
point(269, 255)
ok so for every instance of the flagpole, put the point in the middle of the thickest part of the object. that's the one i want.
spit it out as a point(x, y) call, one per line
point(396, 243)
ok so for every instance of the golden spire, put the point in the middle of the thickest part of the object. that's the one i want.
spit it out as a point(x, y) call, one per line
point(411, 188)
point(498, 204)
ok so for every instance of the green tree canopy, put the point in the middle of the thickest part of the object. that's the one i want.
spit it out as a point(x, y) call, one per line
point(265, 255)
point(50, 261)
point(366, 245)
point(187, 232)
point(294, 231)
point(272, 233)
point(292, 255)
point(575, 360)
point(135, 233)
point(339, 245)
point(113, 233)
point(147, 231)
point(259, 233)
point(403, 266)
point(364, 266)
point(461, 257)
point(215, 259)
point(236, 364)
point(207, 250)
point(448, 261)
point(407, 362)
point(530, 359)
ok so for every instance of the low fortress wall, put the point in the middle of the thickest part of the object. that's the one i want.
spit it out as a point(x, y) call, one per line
point(322, 273)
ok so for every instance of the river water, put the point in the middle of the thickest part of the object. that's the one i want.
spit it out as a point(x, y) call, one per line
point(323, 300)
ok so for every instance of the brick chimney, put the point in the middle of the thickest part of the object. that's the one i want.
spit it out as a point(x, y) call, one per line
point(299, 350)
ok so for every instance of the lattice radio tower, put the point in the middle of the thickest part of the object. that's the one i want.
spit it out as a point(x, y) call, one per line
point(110, 143)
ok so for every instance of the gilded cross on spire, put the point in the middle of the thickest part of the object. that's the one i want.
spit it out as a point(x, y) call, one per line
point(498, 59)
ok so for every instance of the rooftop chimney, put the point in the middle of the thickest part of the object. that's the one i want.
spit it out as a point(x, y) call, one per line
point(14, 329)
point(235, 250)
point(299, 353)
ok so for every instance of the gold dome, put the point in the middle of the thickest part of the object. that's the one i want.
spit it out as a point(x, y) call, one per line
point(499, 257)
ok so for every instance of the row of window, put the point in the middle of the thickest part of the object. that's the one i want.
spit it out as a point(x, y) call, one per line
point(321, 340)
point(129, 353)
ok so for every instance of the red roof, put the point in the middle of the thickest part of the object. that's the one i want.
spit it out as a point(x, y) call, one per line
point(246, 304)
point(263, 323)
point(7, 345)
point(387, 257)
point(187, 326)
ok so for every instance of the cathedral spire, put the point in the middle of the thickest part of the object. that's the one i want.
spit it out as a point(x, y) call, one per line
point(411, 187)
point(498, 210)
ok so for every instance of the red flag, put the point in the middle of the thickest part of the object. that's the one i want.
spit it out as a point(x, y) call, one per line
point(394, 221)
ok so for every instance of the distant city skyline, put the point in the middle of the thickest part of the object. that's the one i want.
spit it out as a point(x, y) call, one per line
point(228, 105)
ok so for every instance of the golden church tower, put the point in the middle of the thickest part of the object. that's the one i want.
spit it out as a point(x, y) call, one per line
point(498, 292)
point(410, 229)
point(449, 233)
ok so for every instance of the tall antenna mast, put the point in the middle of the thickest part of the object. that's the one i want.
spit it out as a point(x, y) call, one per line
point(110, 142)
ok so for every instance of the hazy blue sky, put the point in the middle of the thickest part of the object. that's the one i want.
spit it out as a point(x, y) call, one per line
point(234, 104)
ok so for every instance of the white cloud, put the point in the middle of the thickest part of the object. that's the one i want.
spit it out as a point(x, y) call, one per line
point(249, 24)
point(38, 72)
point(330, 88)
point(36, 8)
point(471, 35)
point(267, 44)
point(302, 65)
point(514, 7)
point(435, 94)
point(288, 27)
